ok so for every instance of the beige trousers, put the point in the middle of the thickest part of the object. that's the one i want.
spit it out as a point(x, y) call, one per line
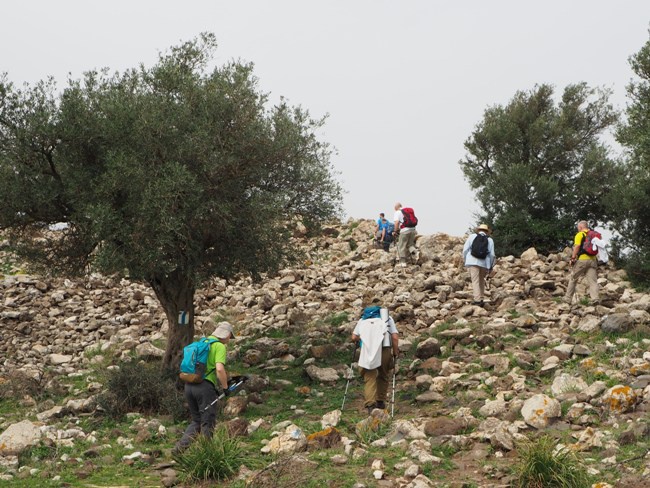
point(405, 242)
point(376, 380)
point(589, 269)
point(478, 274)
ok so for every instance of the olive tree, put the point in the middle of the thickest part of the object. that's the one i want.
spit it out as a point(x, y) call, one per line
point(538, 165)
point(629, 203)
point(170, 174)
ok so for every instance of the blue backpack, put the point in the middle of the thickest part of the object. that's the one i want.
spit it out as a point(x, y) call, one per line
point(195, 359)
point(371, 313)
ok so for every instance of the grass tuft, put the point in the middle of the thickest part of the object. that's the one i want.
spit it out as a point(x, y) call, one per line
point(541, 466)
point(211, 459)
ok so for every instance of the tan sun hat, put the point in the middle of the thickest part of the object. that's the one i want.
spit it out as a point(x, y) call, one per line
point(223, 331)
point(484, 227)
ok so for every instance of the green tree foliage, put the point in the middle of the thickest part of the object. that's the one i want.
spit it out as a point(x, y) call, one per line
point(538, 166)
point(629, 203)
point(170, 174)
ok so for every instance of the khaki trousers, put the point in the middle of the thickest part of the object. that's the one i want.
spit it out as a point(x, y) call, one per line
point(478, 274)
point(376, 380)
point(589, 269)
point(405, 242)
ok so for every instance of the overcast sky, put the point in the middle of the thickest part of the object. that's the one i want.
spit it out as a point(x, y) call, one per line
point(404, 82)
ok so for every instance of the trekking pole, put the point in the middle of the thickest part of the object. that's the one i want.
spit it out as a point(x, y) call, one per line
point(392, 400)
point(347, 385)
point(238, 381)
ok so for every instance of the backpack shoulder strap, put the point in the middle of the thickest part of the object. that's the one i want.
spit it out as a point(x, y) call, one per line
point(210, 341)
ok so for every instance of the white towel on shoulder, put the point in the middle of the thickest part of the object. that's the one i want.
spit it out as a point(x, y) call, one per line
point(372, 333)
point(599, 244)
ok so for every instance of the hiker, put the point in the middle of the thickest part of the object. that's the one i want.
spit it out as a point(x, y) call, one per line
point(200, 395)
point(378, 226)
point(479, 258)
point(583, 264)
point(384, 233)
point(405, 223)
point(379, 342)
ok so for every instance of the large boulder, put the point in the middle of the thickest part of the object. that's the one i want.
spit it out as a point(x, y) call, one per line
point(19, 437)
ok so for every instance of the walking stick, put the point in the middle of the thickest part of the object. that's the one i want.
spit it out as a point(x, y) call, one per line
point(233, 386)
point(347, 385)
point(392, 401)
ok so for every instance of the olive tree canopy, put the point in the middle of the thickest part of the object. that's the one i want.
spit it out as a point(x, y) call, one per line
point(538, 166)
point(170, 174)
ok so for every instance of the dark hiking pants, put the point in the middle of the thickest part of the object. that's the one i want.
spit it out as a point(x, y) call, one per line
point(198, 397)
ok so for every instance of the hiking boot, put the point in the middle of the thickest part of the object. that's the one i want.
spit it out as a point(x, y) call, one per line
point(381, 405)
point(478, 303)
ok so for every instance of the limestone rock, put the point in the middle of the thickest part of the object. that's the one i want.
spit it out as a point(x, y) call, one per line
point(529, 254)
point(617, 323)
point(619, 399)
point(58, 359)
point(539, 409)
point(331, 419)
point(291, 440)
point(444, 426)
point(148, 351)
point(565, 383)
point(325, 375)
point(235, 406)
point(428, 348)
point(18, 437)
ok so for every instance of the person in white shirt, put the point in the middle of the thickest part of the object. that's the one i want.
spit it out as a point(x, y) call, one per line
point(479, 266)
point(406, 236)
point(379, 340)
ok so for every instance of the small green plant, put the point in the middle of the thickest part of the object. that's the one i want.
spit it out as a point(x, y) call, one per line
point(372, 431)
point(541, 466)
point(514, 313)
point(584, 301)
point(337, 319)
point(211, 459)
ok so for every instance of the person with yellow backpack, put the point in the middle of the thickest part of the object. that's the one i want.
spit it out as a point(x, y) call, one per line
point(584, 260)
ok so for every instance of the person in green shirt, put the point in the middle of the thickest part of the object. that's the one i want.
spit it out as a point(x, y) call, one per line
point(200, 395)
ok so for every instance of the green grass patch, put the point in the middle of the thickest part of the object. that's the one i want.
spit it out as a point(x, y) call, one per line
point(211, 459)
point(337, 319)
point(541, 466)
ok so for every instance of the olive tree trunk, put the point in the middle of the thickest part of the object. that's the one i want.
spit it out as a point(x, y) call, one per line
point(176, 294)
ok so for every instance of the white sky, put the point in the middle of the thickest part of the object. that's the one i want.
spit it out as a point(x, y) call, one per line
point(404, 82)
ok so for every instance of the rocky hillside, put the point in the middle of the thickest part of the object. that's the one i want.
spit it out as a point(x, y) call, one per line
point(473, 384)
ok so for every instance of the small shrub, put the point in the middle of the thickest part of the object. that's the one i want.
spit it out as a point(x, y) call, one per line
point(141, 387)
point(540, 466)
point(17, 384)
point(337, 319)
point(215, 459)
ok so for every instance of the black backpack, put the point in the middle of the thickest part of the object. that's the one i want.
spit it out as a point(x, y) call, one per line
point(480, 246)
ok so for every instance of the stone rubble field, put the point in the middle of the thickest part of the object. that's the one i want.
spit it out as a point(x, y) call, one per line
point(473, 383)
